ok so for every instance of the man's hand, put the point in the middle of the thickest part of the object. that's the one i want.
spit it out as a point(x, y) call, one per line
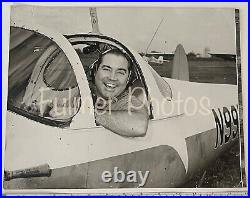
point(33, 108)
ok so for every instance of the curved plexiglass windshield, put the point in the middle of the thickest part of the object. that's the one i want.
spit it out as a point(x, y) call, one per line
point(42, 83)
point(58, 73)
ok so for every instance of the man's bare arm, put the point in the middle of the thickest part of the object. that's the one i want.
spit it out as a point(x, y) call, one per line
point(133, 124)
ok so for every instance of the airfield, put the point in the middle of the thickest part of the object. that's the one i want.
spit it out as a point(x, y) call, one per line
point(225, 172)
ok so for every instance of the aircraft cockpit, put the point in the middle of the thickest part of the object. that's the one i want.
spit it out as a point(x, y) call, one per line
point(90, 51)
point(44, 85)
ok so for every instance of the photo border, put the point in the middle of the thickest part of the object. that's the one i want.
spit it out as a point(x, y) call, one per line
point(243, 7)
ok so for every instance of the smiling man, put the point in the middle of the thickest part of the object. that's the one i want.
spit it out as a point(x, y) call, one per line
point(116, 108)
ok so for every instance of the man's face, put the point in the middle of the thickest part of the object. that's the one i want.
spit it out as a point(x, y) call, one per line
point(111, 76)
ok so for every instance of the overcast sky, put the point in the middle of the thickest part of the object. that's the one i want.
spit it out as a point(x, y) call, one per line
point(194, 28)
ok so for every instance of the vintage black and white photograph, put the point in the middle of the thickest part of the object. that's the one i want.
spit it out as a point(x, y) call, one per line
point(123, 97)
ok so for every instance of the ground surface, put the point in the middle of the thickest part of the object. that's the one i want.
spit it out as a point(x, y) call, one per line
point(226, 171)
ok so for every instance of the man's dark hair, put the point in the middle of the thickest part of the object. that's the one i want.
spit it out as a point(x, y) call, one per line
point(114, 51)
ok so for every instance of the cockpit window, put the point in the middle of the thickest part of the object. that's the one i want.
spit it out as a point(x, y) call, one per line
point(58, 73)
point(163, 86)
point(42, 83)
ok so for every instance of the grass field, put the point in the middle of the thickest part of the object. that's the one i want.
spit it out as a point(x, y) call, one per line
point(225, 172)
point(204, 71)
